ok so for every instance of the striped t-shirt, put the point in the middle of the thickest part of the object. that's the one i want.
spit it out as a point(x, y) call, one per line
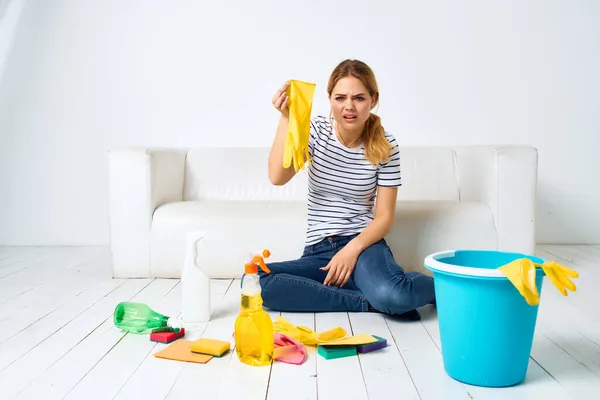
point(342, 183)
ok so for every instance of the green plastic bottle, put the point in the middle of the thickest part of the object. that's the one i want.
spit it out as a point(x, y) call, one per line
point(139, 318)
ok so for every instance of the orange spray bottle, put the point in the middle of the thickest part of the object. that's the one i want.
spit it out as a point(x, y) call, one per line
point(254, 336)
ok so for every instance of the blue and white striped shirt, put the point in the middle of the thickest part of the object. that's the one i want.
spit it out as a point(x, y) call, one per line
point(342, 183)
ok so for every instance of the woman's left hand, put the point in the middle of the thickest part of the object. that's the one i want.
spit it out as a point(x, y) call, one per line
point(341, 266)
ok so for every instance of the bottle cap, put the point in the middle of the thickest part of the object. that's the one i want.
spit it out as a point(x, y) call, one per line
point(250, 268)
point(174, 322)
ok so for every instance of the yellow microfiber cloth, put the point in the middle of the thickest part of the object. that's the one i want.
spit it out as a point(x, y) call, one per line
point(300, 98)
point(209, 346)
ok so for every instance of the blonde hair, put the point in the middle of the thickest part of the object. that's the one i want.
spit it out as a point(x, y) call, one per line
point(377, 148)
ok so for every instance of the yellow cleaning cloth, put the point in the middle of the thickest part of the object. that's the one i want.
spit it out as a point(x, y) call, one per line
point(300, 97)
point(306, 336)
point(180, 350)
point(522, 272)
point(209, 346)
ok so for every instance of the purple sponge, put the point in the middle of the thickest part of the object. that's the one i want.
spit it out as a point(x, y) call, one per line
point(368, 347)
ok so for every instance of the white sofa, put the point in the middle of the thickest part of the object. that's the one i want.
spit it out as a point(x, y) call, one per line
point(476, 197)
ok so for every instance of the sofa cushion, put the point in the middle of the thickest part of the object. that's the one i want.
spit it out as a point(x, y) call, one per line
point(243, 175)
point(428, 173)
point(236, 228)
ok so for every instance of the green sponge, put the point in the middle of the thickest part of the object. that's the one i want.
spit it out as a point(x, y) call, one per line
point(331, 352)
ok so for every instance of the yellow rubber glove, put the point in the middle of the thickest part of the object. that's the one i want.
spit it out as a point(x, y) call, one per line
point(558, 275)
point(300, 98)
point(333, 337)
point(306, 335)
point(521, 273)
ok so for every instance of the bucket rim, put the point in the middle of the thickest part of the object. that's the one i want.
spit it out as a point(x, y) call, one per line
point(433, 264)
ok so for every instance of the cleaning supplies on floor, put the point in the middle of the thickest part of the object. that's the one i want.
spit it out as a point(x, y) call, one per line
point(522, 272)
point(140, 318)
point(300, 98)
point(254, 336)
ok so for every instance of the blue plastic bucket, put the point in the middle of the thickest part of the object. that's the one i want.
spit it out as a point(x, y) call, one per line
point(486, 326)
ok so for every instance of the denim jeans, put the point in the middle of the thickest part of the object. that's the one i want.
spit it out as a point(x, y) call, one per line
point(377, 282)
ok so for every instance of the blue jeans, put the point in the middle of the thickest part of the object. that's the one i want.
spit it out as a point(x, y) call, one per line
point(377, 283)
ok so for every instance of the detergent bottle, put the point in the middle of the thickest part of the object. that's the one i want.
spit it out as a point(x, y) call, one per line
point(254, 336)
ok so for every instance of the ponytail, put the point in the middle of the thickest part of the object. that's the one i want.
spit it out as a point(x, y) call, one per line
point(377, 148)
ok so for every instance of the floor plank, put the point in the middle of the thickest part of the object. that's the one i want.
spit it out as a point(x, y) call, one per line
point(41, 302)
point(302, 378)
point(72, 351)
point(385, 373)
point(341, 377)
point(424, 361)
point(33, 335)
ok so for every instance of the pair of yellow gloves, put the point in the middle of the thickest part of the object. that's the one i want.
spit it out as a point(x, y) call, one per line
point(521, 273)
point(300, 98)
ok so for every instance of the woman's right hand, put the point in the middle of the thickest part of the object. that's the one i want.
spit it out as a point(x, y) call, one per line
point(280, 100)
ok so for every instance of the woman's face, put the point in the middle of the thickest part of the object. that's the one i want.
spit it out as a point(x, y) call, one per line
point(351, 104)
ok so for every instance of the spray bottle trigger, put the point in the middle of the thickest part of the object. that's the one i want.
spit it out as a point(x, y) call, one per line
point(258, 259)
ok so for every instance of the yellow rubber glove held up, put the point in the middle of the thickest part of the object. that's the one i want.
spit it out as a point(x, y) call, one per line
point(521, 273)
point(558, 276)
point(300, 98)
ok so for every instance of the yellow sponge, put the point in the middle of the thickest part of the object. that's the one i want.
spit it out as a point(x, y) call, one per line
point(211, 347)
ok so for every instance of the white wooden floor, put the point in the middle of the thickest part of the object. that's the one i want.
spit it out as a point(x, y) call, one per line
point(57, 340)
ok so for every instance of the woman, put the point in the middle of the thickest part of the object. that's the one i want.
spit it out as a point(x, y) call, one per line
point(347, 264)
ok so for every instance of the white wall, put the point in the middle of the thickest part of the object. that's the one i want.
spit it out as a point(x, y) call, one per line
point(86, 76)
point(10, 12)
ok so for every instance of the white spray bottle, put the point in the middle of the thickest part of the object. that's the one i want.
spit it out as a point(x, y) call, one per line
point(195, 282)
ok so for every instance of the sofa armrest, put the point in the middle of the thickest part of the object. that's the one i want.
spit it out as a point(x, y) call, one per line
point(140, 180)
point(505, 179)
